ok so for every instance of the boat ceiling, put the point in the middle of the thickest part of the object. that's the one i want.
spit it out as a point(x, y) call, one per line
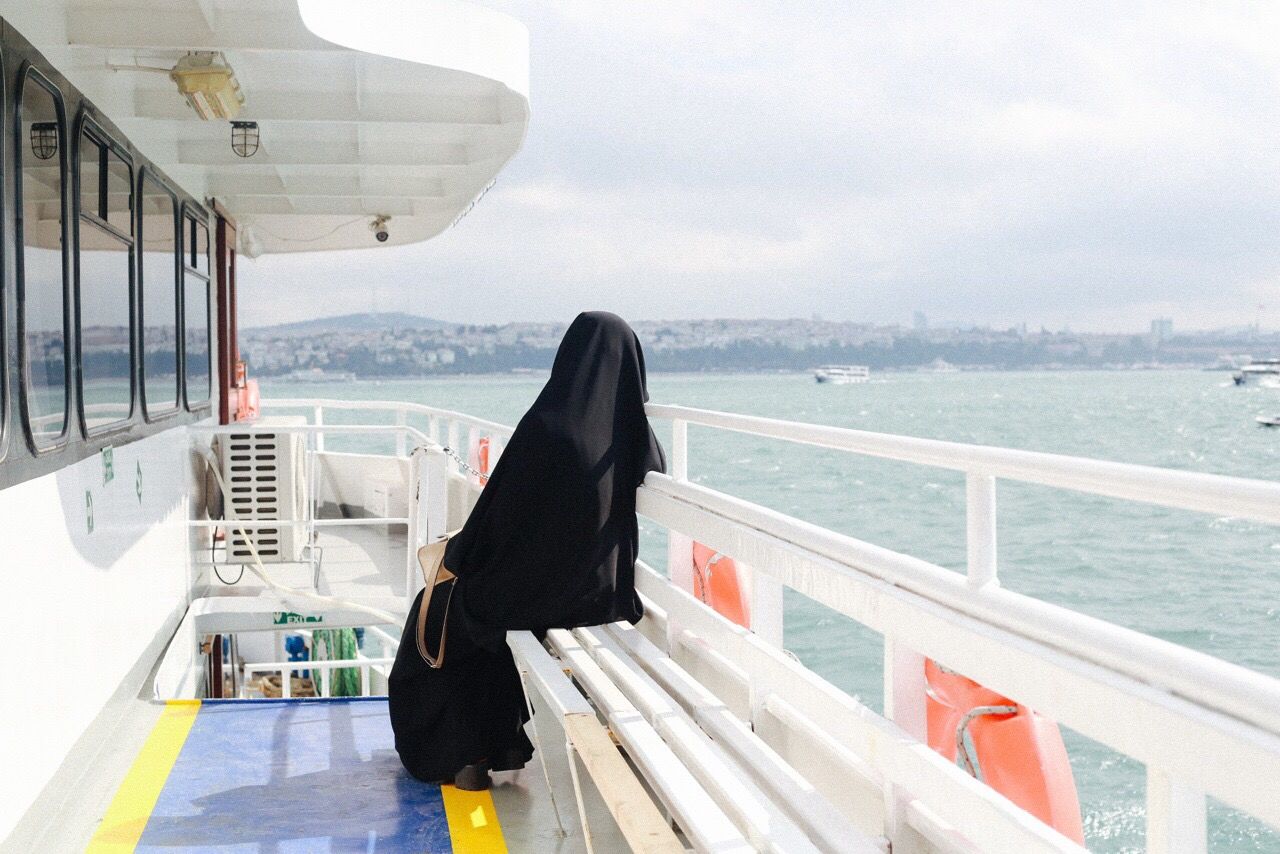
point(400, 108)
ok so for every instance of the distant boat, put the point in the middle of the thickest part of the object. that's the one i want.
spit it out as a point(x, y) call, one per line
point(1263, 371)
point(842, 374)
point(939, 366)
point(318, 375)
point(1268, 420)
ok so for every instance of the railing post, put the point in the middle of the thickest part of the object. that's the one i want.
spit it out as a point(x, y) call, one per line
point(433, 429)
point(766, 605)
point(473, 450)
point(1176, 816)
point(414, 531)
point(680, 546)
point(904, 704)
point(453, 443)
point(402, 420)
point(434, 480)
point(980, 521)
point(319, 421)
point(679, 449)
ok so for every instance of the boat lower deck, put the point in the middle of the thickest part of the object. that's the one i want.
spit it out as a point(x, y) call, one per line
point(298, 775)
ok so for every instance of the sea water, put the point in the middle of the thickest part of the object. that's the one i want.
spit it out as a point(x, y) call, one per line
point(1209, 583)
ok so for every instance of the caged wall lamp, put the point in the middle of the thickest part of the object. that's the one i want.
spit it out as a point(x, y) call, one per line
point(245, 138)
point(44, 139)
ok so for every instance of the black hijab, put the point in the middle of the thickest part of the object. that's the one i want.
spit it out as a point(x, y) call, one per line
point(552, 540)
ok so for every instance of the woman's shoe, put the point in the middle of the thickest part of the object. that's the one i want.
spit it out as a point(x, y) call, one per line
point(473, 778)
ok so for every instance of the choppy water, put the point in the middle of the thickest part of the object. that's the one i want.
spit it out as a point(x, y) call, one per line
point(1212, 584)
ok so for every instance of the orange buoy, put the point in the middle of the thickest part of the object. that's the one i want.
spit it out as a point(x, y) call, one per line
point(716, 582)
point(249, 401)
point(480, 459)
point(1013, 749)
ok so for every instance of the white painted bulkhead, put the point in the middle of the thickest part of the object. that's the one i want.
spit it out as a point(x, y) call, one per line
point(99, 573)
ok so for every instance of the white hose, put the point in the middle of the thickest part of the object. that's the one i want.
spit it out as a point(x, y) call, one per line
point(260, 570)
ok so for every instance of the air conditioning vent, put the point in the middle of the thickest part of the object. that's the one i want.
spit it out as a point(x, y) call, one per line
point(264, 472)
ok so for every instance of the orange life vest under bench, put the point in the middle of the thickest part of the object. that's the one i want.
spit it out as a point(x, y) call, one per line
point(1016, 751)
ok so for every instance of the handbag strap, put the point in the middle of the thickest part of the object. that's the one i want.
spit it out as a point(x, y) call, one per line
point(433, 576)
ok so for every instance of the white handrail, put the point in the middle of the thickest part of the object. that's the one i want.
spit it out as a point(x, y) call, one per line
point(1230, 689)
point(491, 427)
point(1258, 500)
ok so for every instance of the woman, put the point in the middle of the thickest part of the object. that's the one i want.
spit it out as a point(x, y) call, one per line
point(551, 543)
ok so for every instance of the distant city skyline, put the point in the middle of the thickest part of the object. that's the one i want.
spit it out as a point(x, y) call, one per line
point(1059, 165)
point(1164, 327)
point(397, 344)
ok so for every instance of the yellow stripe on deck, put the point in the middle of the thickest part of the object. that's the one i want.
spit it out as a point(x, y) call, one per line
point(130, 809)
point(473, 822)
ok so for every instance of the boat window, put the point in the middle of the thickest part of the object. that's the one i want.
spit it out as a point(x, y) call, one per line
point(195, 303)
point(42, 295)
point(159, 298)
point(198, 248)
point(104, 284)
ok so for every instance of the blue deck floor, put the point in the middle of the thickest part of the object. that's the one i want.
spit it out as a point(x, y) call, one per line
point(294, 776)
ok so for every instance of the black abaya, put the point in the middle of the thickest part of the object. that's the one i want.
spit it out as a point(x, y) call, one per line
point(551, 543)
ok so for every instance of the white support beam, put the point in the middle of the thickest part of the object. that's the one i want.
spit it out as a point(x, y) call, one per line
point(334, 108)
point(145, 29)
point(287, 203)
point(297, 152)
point(253, 185)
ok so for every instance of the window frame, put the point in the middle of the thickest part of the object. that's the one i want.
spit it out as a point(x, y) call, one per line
point(87, 125)
point(145, 174)
point(197, 216)
point(28, 75)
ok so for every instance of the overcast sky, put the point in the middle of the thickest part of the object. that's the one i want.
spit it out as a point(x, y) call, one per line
point(1086, 164)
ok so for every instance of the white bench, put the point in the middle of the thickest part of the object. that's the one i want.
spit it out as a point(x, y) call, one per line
point(723, 787)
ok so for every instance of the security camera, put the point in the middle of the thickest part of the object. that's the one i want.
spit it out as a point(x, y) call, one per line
point(379, 228)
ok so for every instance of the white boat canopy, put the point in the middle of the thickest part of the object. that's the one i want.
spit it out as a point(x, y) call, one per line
point(397, 109)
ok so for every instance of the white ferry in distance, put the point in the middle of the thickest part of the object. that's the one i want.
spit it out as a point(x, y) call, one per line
point(319, 375)
point(1260, 372)
point(212, 593)
point(842, 374)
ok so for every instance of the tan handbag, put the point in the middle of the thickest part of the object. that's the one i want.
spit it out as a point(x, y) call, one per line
point(435, 577)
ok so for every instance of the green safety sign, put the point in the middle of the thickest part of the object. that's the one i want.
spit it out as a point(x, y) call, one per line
point(287, 618)
point(108, 466)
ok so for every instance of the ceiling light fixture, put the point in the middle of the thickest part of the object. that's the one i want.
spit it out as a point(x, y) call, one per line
point(209, 85)
point(44, 139)
point(245, 138)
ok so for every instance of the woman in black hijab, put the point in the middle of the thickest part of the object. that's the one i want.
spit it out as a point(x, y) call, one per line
point(551, 543)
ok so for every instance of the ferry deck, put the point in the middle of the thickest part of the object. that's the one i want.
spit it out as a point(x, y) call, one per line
point(191, 538)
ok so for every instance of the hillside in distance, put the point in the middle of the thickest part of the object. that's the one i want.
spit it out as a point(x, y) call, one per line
point(390, 344)
point(370, 321)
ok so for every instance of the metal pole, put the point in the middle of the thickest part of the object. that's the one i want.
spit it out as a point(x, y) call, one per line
point(1176, 817)
point(679, 449)
point(980, 520)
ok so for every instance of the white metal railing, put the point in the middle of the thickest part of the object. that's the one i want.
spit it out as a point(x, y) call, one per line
point(1200, 724)
point(325, 667)
point(427, 514)
point(444, 426)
